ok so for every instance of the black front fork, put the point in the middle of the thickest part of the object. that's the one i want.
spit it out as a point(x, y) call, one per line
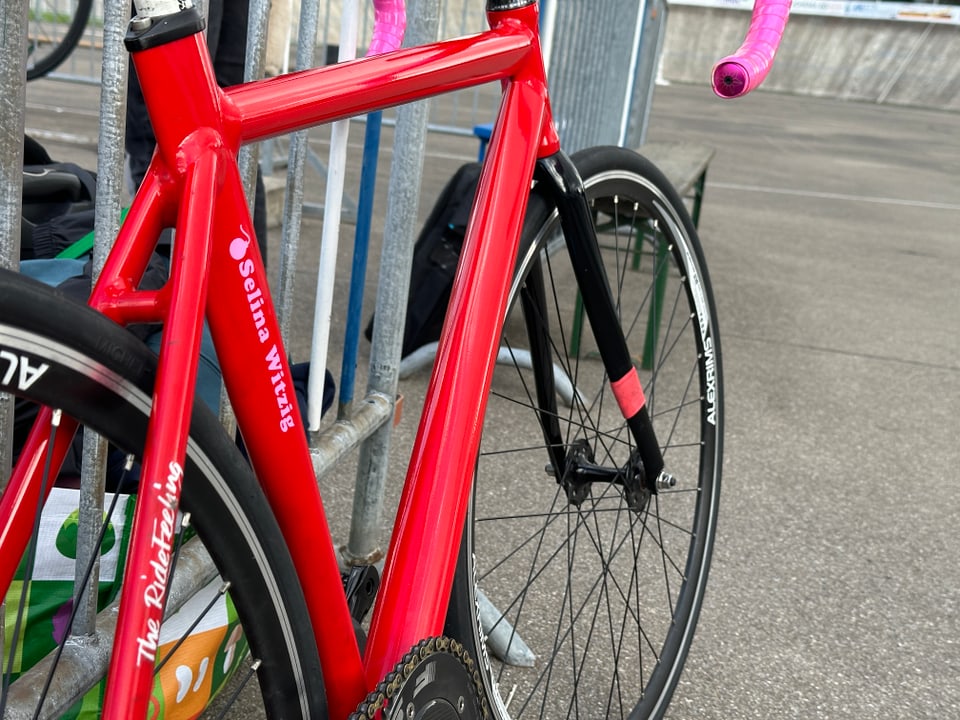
point(559, 178)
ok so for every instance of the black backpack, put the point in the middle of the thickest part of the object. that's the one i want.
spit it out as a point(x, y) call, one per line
point(58, 203)
point(435, 256)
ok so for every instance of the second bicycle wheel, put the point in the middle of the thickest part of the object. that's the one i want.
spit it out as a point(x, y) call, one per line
point(590, 603)
point(53, 30)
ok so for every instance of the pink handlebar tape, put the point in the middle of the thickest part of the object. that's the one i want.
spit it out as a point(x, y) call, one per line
point(738, 74)
point(389, 22)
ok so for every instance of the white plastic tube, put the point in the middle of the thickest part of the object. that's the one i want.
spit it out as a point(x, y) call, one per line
point(330, 238)
point(389, 25)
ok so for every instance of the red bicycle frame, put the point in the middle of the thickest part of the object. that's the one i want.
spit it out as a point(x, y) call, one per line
point(193, 185)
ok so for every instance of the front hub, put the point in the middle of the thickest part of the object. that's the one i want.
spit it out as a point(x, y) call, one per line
point(581, 471)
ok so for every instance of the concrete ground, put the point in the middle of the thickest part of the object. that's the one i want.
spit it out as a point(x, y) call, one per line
point(831, 235)
point(830, 230)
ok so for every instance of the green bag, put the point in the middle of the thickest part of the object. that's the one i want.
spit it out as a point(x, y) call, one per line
point(187, 682)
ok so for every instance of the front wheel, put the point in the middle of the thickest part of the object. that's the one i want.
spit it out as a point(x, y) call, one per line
point(587, 597)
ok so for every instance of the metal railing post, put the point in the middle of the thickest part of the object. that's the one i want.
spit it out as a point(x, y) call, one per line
point(110, 159)
point(13, 60)
point(293, 197)
point(256, 52)
point(403, 198)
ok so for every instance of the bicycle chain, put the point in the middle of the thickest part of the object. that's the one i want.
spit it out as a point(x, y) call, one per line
point(387, 689)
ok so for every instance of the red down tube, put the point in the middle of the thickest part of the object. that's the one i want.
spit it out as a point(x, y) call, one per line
point(738, 74)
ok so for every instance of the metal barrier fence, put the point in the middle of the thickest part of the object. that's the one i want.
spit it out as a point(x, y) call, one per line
point(601, 57)
point(100, 59)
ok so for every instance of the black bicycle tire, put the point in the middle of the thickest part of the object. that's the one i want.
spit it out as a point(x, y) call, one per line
point(103, 376)
point(601, 168)
point(67, 44)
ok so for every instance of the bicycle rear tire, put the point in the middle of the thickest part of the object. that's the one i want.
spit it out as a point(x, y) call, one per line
point(103, 376)
point(52, 34)
point(604, 595)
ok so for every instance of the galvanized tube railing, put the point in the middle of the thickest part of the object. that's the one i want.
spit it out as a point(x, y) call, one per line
point(402, 202)
point(13, 59)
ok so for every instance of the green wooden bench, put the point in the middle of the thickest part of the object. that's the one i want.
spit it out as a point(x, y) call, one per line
point(685, 165)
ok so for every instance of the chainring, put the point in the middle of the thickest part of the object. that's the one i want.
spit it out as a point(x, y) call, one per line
point(436, 680)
